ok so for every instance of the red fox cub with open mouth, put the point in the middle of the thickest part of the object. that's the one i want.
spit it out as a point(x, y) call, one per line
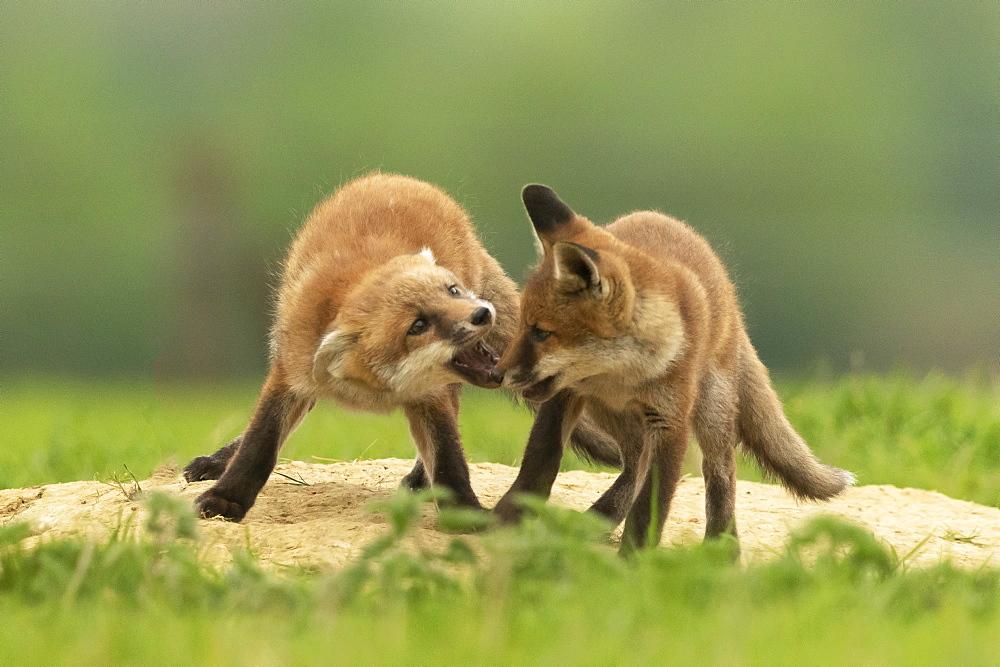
point(638, 325)
point(387, 300)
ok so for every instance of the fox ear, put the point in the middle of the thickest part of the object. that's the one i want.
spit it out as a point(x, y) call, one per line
point(331, 355)
point(547, 212)
point(427, 254)
point(576, 269)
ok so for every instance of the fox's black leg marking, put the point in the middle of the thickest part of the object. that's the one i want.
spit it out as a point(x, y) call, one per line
point(278, 412)
point(626, 428)
point(434, 427)
point(614, 503)
point(543, 453)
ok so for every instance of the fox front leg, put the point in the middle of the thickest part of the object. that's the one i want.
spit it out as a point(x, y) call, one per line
point(542, 455)
point(416, 479)
point(626, 428)
point(278, 412)
point(664, 446)
point(434, 427)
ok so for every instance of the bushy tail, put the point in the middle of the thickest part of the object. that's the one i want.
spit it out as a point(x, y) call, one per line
point(767, 435)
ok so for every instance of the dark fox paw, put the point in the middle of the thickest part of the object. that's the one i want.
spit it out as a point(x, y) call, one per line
point(508, 512)
point(211, 503)
point(415, 480)
point(204, 467)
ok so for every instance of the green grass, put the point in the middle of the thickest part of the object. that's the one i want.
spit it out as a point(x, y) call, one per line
point(552, 592)
point(64, 431)
point(933, 433)
point(548, 593)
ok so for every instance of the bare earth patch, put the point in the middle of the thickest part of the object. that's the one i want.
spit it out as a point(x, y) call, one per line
point(326, 522)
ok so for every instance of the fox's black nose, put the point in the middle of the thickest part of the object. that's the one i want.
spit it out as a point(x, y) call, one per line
point(481, 316)
point(497, 375)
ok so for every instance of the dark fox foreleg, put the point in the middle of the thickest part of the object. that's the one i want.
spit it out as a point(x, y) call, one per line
point(543, 453)
point(434, 427)
point(277, 414)
point(417, 478)
point(626, 428)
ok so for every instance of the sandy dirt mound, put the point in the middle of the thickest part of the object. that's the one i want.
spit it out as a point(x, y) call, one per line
point(325, 521)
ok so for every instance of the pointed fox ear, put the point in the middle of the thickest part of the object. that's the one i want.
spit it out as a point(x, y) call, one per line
point(576, 269)
point(331, 355)
point(547, 212)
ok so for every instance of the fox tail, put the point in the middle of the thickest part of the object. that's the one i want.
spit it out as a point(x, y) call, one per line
point(769, 437)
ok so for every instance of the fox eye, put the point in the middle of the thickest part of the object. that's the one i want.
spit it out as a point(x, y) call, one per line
point(418, 327)
point(453, 290)
point(539, 335)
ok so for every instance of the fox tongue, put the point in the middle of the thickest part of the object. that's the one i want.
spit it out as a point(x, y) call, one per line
point(475, 363)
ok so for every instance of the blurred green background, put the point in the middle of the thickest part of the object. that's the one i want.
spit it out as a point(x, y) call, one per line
point(844, 158)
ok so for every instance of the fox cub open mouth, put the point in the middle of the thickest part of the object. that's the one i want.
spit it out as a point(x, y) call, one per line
point(475, 363)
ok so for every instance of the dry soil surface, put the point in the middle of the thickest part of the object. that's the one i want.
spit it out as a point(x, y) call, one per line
point(326, 520)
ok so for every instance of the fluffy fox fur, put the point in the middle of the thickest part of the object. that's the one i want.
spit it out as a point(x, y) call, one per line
point(387, 300)
point(637, 324)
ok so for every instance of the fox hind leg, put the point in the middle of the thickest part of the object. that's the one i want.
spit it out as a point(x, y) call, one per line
point(716, 432)
point(277, 414)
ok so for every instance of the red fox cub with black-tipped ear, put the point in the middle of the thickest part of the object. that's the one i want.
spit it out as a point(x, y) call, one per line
point(387, 300)
point(638, 324)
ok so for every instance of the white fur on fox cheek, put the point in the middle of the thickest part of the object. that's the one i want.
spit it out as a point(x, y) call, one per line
point(421, 369)
point(571, 364)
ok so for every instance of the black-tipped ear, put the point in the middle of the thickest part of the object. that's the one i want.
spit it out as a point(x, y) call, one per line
point(546, 210)
point(576, 268)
